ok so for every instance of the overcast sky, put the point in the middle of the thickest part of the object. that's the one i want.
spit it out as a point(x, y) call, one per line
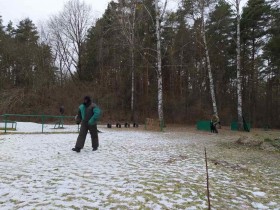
point(40, 10)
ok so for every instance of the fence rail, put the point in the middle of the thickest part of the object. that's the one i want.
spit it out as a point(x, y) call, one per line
point(42, 117)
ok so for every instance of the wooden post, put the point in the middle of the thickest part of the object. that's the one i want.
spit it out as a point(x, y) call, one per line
point(5, 117)
point(43, 119)
point(207, 180)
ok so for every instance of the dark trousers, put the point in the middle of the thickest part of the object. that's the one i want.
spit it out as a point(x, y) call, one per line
point(213, 127)
point(83, 134)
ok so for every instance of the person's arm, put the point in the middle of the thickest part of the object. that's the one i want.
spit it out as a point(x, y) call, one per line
point(96, 115)
point(79, 117)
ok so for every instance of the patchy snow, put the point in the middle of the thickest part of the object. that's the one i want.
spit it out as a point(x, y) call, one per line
point(259, 206)
point(133, 169)
point(259, 194)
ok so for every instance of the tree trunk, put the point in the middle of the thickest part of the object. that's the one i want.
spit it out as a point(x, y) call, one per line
point(159, 70)
point(133, 65)
point(254, 86)
point(132, 83)
point(238, 69)
point(211, 82)
point(127, 22)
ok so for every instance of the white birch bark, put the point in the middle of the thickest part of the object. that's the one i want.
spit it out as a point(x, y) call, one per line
point(132, 64)
point(159, 65)
point(210, 75)
point(238, 64)
point(132, 83)
point(127, 21)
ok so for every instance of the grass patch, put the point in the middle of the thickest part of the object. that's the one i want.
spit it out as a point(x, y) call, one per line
point(69, 198)
point(61, 206)
point(74, 207)
point(86, 199)
point(275, 142)
point(15, 201)
point(42, 205)
point(89, 207)
point(268, 140)
point(8, 129)
point(120, 206)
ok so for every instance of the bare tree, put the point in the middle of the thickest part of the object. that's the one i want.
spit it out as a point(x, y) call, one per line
point(127, 21)
point(48, 38)
point(68, 32)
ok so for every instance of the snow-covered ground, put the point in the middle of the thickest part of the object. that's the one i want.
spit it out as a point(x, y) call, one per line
point(29, 127)
point(133, 169)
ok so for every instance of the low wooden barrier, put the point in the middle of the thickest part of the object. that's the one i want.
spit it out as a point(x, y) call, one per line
point(153, 124)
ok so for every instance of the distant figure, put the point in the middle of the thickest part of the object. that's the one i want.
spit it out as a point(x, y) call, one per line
point(213, 124)
point(61, 110)
point(88, 114)
point(127, 125)
point(135, 125)
point(245, 126)
point(61, 121)
point(118, 125)
point(109, 125)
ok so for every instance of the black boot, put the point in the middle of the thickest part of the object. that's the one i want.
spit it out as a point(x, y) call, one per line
point(94, 149)
point(76, 149)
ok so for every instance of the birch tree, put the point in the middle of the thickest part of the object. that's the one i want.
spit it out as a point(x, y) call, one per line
point(157, 24)
point(128, 21)
point(236, 5)
point(202, 4)
point(159, 62)
point(198, 10)
point(159, 70)
point(238, 67)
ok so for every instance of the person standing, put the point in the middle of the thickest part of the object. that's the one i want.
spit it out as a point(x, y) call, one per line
point(88, 115)
point(214, 122)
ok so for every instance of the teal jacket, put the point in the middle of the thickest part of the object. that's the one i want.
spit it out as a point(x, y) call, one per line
point(89, 114)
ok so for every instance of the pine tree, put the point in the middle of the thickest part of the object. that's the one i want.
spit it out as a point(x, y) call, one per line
point(26, 38)
point(272, 69)
point(254, 21)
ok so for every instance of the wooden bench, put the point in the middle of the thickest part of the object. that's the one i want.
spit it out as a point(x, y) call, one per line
point(152, 124)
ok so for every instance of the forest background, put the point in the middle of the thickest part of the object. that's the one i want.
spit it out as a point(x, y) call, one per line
point(140, 60)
